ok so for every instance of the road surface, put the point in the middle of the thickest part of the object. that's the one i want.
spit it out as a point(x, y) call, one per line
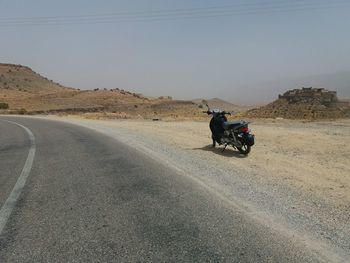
point(90, 198)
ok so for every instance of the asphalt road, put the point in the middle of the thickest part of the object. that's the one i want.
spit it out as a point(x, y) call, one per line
point(91, 198)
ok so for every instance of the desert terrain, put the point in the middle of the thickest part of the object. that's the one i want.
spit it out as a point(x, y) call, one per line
point(175, 131)
point(294, 183)
point(311, 156)
point(25, 91)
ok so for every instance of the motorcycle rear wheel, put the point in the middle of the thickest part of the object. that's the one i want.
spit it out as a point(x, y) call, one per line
point(245, 149)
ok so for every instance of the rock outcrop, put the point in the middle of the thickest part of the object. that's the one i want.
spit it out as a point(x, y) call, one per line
point(304, 103)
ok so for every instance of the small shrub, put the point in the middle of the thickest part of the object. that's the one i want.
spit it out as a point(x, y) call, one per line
point(200, 106)
point(4, 106)
point(22, 111)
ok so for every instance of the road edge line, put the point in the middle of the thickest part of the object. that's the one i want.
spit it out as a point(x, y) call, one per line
point(11, 201)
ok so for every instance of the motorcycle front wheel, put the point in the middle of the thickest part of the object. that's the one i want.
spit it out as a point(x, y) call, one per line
point(245, 149)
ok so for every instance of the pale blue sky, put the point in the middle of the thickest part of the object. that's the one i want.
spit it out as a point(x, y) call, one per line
point(221, 56)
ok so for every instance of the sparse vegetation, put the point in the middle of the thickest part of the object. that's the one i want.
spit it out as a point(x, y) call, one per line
point(3, 106)
point(22, 111)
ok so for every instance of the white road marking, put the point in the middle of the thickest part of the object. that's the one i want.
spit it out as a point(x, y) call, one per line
point(10, 203)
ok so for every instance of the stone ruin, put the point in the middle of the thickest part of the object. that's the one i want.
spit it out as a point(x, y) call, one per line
point(308, 95)
point(304, 103)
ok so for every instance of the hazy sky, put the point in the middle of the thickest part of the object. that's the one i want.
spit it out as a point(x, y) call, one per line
point(183, 48)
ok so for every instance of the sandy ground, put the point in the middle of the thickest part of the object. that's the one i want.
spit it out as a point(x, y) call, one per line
point(312, 156)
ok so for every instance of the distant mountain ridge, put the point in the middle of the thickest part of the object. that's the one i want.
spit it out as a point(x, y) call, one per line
point(221, 104)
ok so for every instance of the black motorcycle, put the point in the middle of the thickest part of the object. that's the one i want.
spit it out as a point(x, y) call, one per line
point(230, 133)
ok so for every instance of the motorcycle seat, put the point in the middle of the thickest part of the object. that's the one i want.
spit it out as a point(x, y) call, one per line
point(228, 125)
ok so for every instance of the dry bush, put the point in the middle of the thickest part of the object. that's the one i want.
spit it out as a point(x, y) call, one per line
point(3, 106)
point(22, 111)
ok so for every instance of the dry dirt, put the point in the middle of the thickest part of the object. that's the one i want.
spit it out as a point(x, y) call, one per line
point(312, 156)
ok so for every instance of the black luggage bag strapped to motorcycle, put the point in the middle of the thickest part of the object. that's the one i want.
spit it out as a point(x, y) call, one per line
point(249, 139)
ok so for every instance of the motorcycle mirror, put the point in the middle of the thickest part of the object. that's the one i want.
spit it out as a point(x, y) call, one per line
point(205, 103)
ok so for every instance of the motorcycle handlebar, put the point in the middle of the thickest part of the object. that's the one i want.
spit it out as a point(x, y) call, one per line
point(210, 112)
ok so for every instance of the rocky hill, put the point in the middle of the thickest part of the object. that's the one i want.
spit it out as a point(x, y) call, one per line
point(22, 78)
point(305, 103)
point(25, 91)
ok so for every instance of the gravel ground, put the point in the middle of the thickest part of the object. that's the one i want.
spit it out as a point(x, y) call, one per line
point(280, 184)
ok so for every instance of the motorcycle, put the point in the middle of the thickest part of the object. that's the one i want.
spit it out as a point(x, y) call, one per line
point(230, 133)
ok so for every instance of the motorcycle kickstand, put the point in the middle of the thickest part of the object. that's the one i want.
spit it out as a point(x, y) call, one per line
point(224, 148)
